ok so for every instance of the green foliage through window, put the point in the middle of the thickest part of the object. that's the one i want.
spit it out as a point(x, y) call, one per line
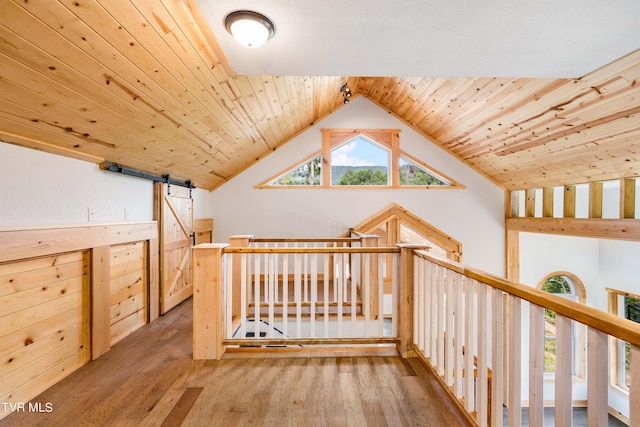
point(360, 161)
point(306, 174)
point(364, 176)
point(412, 174)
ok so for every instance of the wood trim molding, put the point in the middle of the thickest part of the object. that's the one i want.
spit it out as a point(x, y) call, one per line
point(617, 229)
point(20, 243)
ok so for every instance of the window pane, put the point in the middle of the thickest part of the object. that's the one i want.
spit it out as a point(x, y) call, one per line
point(631, 312)
point(412, 174)
point(306, 174)
point(360, 162)
point(557, 285)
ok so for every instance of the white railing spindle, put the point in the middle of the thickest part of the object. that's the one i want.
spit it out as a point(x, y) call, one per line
point(598, 349)
point(244, 285)
point(497, 357)
point(470, 345)
point(285, 295)
point(449, 328)
point(458, 336)
point(564, 371)
point(325, 298)
point(441, 328)
point(515, 361)
point(536, 365)
point(314, 294)
point(297, 284)
point(482, 392)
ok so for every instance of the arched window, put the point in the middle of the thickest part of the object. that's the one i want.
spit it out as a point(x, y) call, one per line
point(568, 286)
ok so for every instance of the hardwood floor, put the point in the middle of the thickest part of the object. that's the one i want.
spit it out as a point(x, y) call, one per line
point(150, 379)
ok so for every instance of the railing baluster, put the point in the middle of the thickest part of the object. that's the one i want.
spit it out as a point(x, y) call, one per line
point(395, 260)
point(340, 292)
point(272, 296)
point(285, 295)
point(257, 300)
point(244, 284)
point(598, 387)
point(325, 299)
point(354, 297)
point(229, 291)
point(428, 305)
point(497, 357)
point(418, 302)
point(482, 391)
point(515, 361)
point(276, 281)
point(449, 355)
point(366, 287)
point(441, 328)
point(563, 401)
point(458, 340)
point(314, 294)
point(433, 321)
point(536, 366)
point(469, 345)
point(305, 270)
point(297, 284)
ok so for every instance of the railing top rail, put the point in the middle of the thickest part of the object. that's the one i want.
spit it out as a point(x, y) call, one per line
point(594, 318)
point(305, 240)
point(373, 250)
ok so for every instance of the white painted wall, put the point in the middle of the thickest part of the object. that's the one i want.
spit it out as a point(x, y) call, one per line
point(474, 216)
point(39, 188)
point(598, 264)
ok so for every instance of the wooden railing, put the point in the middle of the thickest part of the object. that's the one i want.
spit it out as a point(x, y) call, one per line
point(291, 296)
point(465, 324)
point(460, 328)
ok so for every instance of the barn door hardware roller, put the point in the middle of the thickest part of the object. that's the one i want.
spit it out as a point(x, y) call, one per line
point(115, 167)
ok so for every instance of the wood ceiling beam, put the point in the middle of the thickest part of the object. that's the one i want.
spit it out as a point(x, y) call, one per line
point(617, 229)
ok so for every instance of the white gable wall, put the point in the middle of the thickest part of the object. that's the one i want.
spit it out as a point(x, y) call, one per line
point(473, 216)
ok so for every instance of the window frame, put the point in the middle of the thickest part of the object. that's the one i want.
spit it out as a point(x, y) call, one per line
point(386, 138)
point(579, 332)
point(616, 345)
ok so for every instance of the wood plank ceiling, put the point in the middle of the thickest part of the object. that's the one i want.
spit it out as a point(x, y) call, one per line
point(142, 83)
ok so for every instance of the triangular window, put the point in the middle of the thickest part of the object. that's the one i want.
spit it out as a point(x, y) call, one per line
point(411, 173)
point(309, 174)
point(365, 158)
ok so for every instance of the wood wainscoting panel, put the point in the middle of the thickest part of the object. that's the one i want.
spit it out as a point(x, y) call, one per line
point(44, 318)
point(128, 290)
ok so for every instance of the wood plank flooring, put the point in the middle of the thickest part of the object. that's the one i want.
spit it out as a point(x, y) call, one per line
point(150, 379)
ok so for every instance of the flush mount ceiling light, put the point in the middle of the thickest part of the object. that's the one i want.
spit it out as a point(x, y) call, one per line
point(250, 29)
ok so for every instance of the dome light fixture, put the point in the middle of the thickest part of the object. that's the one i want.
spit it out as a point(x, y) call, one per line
point(250, 29)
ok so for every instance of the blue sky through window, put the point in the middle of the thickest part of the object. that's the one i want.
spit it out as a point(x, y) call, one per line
point(359, 152)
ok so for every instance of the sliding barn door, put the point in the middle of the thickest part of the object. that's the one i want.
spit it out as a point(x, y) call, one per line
point(176, 219)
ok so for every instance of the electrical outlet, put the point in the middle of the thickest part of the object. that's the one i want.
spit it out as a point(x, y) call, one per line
point(91, 213)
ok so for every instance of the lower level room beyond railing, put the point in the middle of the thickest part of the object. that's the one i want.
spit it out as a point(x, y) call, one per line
point(467, 326)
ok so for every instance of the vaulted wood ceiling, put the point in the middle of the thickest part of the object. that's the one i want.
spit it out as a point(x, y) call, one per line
point(144, 84)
